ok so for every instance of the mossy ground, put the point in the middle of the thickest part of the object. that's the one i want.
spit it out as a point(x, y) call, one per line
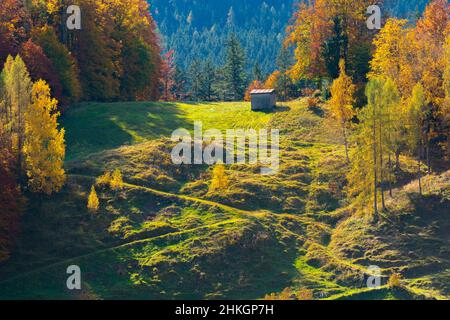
point(166, 236)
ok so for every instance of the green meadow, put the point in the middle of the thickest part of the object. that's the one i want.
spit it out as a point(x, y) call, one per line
point(165, 235)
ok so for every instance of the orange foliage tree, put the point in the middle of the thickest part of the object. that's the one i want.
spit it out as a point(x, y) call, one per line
point(256, 84)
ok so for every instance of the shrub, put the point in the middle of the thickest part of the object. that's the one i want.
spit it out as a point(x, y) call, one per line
point(395, 280)
point(305, 294)
point(286, 294)
point(116, 180)
point(104, 180)
point(313, 102)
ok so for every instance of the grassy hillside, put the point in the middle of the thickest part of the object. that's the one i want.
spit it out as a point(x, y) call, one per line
point(165, 236)
point(109, 126)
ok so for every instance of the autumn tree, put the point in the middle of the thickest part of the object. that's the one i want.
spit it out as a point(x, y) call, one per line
point(364, 175)
point(219, 180)
point(9, 198)
point(98, 53)
point(104, 180)
point(446, 105)
point(415, 126)
point(254, 85)
point(44, 147)
point(63, 63)
point(387, 58)
point(272, 80)
point(16, 93)
point(167, 75)
point(40, 67)
point(140, 63)
point(341, 103)
point(323, 32)
point(15, 23)
point(431, 35)
point(116, 182)
point(93, 203)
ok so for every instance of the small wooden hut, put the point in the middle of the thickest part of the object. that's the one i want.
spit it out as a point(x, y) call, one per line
point(263, 99)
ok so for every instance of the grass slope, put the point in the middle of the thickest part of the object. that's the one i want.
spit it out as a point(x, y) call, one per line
point(165, 236)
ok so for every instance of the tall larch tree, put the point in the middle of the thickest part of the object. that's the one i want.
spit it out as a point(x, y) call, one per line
point(16, 83)
point(44, 147)
point(386, 62)
point(365, 174)
point(391, 136)
point(341, 103)
point(416, 119)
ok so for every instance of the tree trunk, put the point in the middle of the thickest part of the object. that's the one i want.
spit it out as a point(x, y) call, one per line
point(390, 175)
point(375, 179)
point(20, 134)
point(397, 160)
point(344, 132)
point(383, 204)
point(428, 156)
point(419, 168)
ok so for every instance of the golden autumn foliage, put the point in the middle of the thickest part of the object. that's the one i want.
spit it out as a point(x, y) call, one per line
point(313, 28)
point(104, 180)
point(284, 295)
point(342, 101)
point(93, 202)
point(272, 80)
point(387, 58)
point(44, 146)
point(305, 294)
point(395, 280)
point(116, 182)
point(219, 180)
point(15, 96)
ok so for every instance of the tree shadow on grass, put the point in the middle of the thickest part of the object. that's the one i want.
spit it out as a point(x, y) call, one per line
point(96, 127)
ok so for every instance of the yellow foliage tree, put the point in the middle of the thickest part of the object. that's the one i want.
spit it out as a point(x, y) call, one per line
point(395, 280)
point(387, 58)
point(445, 112)
point(16, 93)
point(219, 178)
point(93, 202)
point(105, 179)
point(341, 102)
point(271, 82)
point(116, 180)
point(44, 146)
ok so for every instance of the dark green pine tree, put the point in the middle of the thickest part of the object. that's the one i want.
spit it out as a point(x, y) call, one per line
point(207, 80)
point(257, 72)
point(180, 79)
point(284, 83)
point(195, 76)
point(234, 68)
point(334, 50)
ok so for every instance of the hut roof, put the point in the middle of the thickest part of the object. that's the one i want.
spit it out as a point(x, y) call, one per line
point(262, 91)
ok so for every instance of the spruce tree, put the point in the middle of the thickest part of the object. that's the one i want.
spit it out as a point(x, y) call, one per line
point(234, 68)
